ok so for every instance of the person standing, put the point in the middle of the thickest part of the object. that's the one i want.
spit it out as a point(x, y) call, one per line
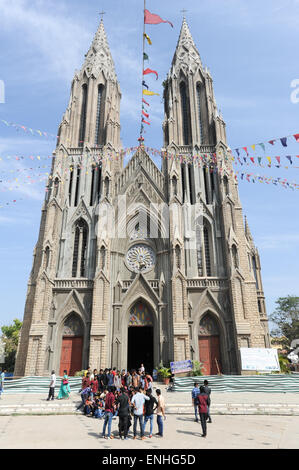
point(194, 394)
point(138, 401)
point(208, 392)
point(150, 406)
point(123, 413)
point(65, 390)
point(203, 403)
point(52, 386)
point(94, 385)
point(160, 412)
point(117, 381)
point(109, 409)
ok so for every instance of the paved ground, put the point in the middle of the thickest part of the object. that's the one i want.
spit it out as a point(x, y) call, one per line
point(181, 432)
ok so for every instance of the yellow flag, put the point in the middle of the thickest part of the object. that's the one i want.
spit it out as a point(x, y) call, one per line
point(253, 147)
point(149, 93)
point(148, 39)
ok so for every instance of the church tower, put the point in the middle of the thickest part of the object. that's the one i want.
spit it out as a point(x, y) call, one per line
point(138, 264)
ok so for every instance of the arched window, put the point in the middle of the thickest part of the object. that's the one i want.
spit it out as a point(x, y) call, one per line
point(178, 256)
point(46, 258)
point(99, 116)
point(254, 270)
point(71, 185)
point(77, 186)
point(226, 185)
point(92, 187)
point(83, 116)
point(99, 182)
point(56, 187)
point(174, 186)
point(235, 256)
point(185, 114)
point(207, 251)
point(198, 93)
point(80, 249)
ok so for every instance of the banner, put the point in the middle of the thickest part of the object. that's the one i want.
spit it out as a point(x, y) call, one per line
point(181, 366)
point(259, 359)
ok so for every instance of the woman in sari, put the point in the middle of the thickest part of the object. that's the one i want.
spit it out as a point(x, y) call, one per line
point(65, 390)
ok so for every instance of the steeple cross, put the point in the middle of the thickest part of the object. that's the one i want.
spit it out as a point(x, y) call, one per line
point(102, 13)
point(184, 11)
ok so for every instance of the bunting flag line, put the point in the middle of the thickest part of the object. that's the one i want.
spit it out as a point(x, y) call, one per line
point(152, 18)
point(149, 93)
point(283, 140)
point(28, 129)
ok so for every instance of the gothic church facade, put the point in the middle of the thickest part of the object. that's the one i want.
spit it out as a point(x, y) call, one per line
point(156, 285)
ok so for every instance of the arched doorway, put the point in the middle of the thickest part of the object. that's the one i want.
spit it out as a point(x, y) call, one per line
point(72, 345)
point(209, 345)
point(140, 337)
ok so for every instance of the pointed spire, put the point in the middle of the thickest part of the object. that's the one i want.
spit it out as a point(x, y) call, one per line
point(186, 51)
point(99, 57)
point(247, 231)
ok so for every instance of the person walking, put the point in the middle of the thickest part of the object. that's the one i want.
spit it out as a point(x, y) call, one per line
point(203, 403)
point(109, 409)
point(194, 394)
point(123, 413)
point(138, 401)
point(65, 390)
point(52, 386)
point(150, 406)
point(160, 412)
point(208, 392)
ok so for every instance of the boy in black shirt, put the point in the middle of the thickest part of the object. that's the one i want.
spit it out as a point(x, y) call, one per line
point(149, 411)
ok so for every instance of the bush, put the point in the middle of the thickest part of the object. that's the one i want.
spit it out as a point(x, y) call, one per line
point(197, 368)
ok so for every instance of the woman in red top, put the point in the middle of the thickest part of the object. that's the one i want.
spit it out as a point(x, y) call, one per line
point(203, 403)
point(94, 386)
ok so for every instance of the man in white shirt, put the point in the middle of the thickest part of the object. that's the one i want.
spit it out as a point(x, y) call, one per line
point(52, 386)
point(138, 401)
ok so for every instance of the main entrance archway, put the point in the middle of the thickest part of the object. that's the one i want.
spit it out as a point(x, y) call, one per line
point(72, 345)
point(209, 345)
point(140, 338)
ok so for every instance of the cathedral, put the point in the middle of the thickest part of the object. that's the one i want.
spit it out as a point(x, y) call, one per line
point(135, 263)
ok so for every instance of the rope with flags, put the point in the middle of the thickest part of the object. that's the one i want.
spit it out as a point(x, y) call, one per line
point(149, 18)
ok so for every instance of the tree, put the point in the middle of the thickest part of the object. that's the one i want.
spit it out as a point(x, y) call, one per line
point(10, 338)
point(286, 317)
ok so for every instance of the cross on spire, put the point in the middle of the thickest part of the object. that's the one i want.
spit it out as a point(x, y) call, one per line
point(184, 11)
point(102, 13)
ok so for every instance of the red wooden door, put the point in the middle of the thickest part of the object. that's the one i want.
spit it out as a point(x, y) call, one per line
point(71, 354)
point(209, 353)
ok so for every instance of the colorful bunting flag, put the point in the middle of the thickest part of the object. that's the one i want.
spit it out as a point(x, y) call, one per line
point(147, 38)
point(147, 71)
point(149, 93)
point(152, 18)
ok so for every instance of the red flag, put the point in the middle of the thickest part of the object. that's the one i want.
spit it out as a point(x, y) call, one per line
point(271, 142)
point(145, 102)
point(151, 18)
point(145, 114)
point(146, 71)
point(145, 121)
point(296, 137)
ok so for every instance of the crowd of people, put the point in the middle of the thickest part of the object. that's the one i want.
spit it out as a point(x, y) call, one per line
point(110, 393)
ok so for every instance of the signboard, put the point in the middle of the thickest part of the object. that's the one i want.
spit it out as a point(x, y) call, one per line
point(181, 366)
point(263, 359)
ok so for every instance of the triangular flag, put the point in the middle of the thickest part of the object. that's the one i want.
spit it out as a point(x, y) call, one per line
point(147, 71)
point(144, 84)
point(269, 160)
point(145, 122)
point(145, 102)
point(145, 56)
point(149, 93)
point(147, 38)
point(278, 159)
point(271, 142)
point(145, 114)
point(152, 18)
point(283, 140)
point(289, 158)
point(262, 145)
point(253, 147)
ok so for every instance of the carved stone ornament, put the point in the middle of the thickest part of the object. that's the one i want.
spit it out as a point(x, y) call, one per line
point(140, 258)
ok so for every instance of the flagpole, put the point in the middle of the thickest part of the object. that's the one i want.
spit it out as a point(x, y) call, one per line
point(143, 48)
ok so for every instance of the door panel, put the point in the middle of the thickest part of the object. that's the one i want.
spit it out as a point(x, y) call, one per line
point(71, 354)
point(209, 352)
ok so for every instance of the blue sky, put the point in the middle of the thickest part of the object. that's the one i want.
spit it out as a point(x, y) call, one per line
point(251, 48)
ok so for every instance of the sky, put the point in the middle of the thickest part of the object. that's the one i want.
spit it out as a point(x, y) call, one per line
point(251, 49)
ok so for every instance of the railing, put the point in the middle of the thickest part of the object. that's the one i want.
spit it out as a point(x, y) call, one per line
point(206, 282)
point(154, 284)
point(73, 283)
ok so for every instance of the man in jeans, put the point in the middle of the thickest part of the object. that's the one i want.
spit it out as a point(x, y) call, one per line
point(160, 412)
point(109, 409)
point(138, 401)
point(195, 392)
point(123, 413)
point(149, 411)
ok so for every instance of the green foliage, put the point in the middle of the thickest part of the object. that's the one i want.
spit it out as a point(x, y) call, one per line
point(79, 373)
point(164, 372)
point(286, 317)
point(10, 338)
point(284, 364)
point(197, 368)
